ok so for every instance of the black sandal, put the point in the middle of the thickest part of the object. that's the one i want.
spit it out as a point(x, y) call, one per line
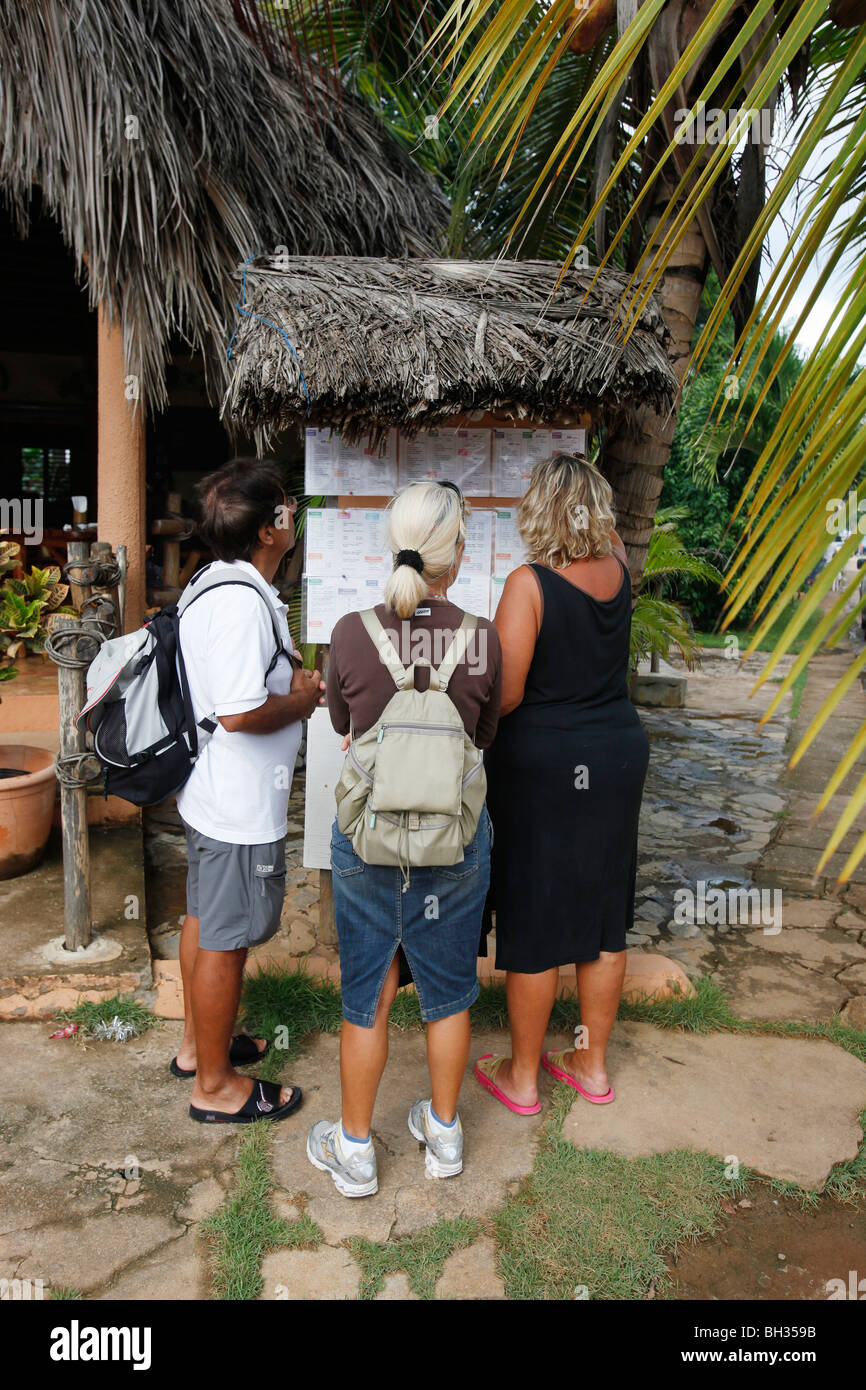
point(242, 1053)
point(263, 1103)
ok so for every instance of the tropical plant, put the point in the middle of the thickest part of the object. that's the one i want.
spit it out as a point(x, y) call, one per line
point(25, 608)
point(657, 622)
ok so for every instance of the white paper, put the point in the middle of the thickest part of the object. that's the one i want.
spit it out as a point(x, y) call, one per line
point(325, 601)
point(471, 592)
point(568, 441)
point(508, 548)
point(324, 765)
point(347, 544)
point(460, 456)
point(333, 467)
point(479, 542)
point(515, 452)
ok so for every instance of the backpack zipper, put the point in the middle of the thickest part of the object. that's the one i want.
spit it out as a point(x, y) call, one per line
point(420, 728)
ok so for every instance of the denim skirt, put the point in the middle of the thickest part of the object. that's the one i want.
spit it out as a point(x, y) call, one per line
point(437, 922)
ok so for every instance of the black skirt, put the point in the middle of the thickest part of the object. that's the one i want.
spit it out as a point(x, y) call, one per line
point(564, 793)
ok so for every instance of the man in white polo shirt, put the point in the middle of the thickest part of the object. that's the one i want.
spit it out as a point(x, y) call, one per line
point(244, 673)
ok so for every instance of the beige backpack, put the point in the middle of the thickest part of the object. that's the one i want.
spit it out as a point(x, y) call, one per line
point(412, 787)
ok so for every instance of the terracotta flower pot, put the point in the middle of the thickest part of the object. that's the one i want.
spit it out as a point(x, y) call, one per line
point(26, 807)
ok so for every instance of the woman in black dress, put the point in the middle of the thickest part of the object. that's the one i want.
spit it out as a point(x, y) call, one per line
point(565, 779)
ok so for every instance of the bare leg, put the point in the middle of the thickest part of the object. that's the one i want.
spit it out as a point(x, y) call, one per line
point(216, 992)
point(599, 986)
point(363, 1054)
point(186, 1053)
point(530, 1000)
point(186, 1057)
point(448, 1041)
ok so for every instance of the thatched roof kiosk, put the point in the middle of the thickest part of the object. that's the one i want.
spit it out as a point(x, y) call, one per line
point(363, 344)
point(171, 141)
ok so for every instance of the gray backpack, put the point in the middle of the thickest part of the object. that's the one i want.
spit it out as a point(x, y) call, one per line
point(139, 709)
point(412, 787)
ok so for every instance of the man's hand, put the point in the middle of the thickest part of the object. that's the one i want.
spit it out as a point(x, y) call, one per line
point(308, 691)
point(310, 686)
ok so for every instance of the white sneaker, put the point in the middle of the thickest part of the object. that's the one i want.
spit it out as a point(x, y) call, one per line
point(353, 1177)
point(444, 1157)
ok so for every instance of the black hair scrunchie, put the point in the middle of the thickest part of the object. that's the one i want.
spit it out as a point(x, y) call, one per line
point(409, 557)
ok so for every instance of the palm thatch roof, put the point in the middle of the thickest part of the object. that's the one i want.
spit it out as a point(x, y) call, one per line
point(364, 344)
point(169, 147)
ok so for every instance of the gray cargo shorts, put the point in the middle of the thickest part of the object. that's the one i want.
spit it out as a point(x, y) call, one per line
point(236, 891)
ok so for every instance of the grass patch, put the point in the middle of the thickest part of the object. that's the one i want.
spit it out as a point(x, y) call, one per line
point(847, 1181)
point(63, 1293)
point(89, 1013)
point(419, 1256)
point(247, 1229)
point(705, 1011)
point(406, 1010)
point(287, 1006)
point(591, 1224)
point(770, 638)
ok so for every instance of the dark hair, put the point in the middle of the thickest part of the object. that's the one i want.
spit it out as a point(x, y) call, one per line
point(235, 502)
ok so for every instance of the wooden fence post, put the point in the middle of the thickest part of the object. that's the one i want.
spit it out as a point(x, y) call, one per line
point(73, 799)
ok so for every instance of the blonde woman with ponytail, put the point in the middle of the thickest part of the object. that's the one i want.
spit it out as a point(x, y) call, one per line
point(430, 932)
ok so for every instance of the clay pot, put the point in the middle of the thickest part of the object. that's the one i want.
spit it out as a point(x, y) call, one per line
point(26, 807)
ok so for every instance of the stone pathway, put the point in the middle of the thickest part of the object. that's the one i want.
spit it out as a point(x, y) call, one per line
point(721, 809)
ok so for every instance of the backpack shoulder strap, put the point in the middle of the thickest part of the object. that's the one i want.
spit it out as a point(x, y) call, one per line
point(382, 642)
point(455, 653)
point(205, 582)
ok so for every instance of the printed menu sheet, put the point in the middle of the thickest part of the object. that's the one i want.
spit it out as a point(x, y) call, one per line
point(508, 552)
point(325, 601)
point(515, 453)
point(333, 467)
point(349, 543)
point(460, 456)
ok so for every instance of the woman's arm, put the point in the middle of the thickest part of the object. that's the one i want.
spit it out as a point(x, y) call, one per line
point(518, 622)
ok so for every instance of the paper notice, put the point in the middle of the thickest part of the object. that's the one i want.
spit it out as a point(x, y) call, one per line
point(568, 441)
point(460, 456)
point(515, 452)
point(332, 467)
point(471, 592)
point(508, 548)
point(479, 542)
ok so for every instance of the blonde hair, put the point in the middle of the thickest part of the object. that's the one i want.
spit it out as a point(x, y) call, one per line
point(567, 512)
point(426, 517)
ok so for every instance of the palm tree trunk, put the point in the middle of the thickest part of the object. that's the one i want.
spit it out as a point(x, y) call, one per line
point(636, 453)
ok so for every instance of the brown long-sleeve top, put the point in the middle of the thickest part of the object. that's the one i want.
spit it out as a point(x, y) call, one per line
point(360, 686)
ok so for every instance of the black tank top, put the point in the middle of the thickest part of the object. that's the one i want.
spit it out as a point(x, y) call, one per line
point(582, 651)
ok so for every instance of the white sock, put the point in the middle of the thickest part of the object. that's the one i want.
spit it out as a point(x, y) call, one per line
point(350, 1146)
point(437, 1125)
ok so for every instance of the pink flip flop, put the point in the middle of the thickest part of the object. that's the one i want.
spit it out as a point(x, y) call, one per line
point(487, 1077)
point(559, 1072)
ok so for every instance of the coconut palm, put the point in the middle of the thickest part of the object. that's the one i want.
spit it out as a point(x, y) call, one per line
point(689, 89)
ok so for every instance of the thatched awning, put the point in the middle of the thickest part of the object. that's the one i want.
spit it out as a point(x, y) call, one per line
point(376, 343)
point(169, 147)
